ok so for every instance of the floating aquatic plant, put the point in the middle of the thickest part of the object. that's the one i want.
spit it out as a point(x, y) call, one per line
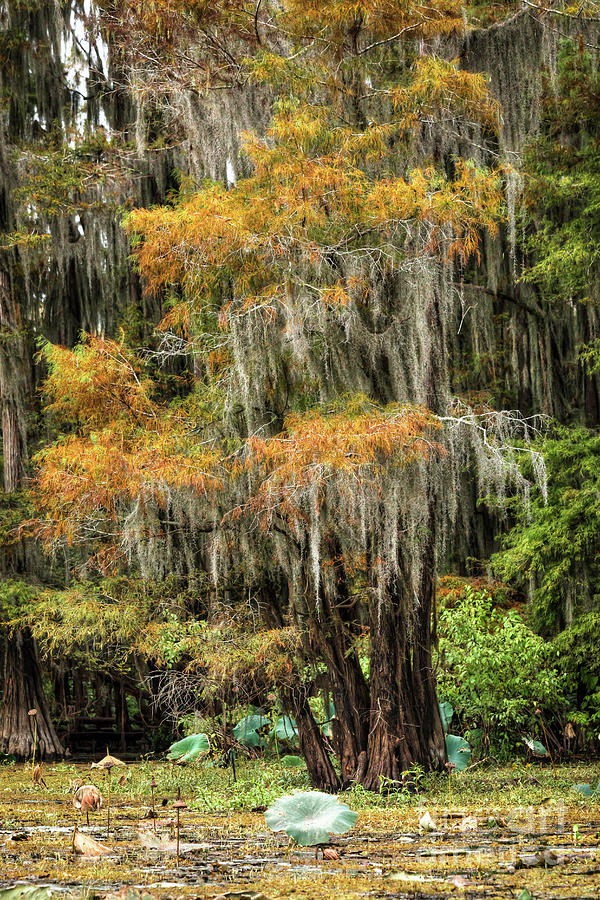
point(587, 791)
point(309, 817)
point(247, 730)
point(458, 751)
point(536, 747)
point(189, 749)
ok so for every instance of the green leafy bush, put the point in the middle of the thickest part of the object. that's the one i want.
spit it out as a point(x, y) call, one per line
point(577, 654)
point(554, 547)
point(495, 672)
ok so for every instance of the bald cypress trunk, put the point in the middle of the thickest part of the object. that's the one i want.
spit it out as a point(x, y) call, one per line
point(312, 746)
point(23, 691)
point(405, 725)
point(13, 388)
point(22, 679)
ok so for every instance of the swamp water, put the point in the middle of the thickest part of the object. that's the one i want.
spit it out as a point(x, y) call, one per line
point(549, 848)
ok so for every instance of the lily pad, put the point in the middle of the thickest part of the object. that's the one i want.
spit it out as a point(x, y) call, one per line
point(426, 823)
point(292, 762)
point(29, 892)
point(286, 729)
point(587, 791)
point(446, 713)
point(108, 762)
point(458, 751)
point(536, 747)
point(246, 730)
point(309, 817)
point(89, 847)
point(189, 749)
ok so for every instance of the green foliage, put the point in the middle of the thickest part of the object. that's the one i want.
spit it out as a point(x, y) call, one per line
point(554, 546)
point(88, 618)
point(563, 181)
point(247, 730)
point(446, 713)
point(207, 788)
point(577, 654)
point(189, 749)
point(457, 751)
point(392, 793)
point(14, 508)
point(285, 728)
point(495, 671)
point(309, 817)
point(56, 175)
point(16, 599)
point(292, 762)
point(27, 892)
point(536, 747)
point(525, 895)
point(587, 791)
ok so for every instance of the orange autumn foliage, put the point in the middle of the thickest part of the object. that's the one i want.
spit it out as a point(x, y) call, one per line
point(308, 198)
point(99, 381)
point(88, 482)
point(381, 19)
point(351, 445)
point(130, 448)
point(330, 200)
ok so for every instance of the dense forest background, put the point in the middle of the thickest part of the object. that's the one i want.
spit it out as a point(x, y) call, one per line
point(299, 373)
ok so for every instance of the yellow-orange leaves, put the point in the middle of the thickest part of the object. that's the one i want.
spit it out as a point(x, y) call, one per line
point(355, 443)
point(130, 449)
point(439, 87)
point(85, 485)
point(454, 212)
point(308, 199)
point(98, 382)
point(380, 19)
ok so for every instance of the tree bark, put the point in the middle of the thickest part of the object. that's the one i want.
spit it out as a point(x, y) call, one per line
point(23, 691)
point(349, 689)
point(322, 775)
point(14, 382)
point(334, 635)
point(405, 725)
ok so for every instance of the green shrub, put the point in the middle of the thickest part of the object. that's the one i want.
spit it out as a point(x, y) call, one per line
point(495, 672)
point(576, 650)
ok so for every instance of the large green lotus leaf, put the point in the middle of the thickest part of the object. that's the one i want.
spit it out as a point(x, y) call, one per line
point(587, 791)
point(292, 762)
point(189, 748)
point(286, 729)
point(446, 713)
point(457, 751)
point(309, 817)
point(325, 727)
point(536, 747)
point(246, 730)
point(31, 892)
